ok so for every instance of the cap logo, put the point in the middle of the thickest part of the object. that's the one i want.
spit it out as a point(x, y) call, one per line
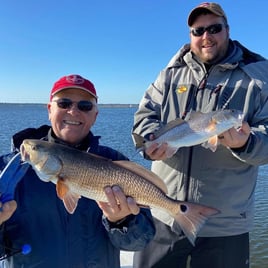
point(205, 4)
point(75, 79)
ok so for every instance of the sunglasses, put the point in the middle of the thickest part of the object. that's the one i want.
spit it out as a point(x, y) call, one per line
point(211, 29)
point(83, 105)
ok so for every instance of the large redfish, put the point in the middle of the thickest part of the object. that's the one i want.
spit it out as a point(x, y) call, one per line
point(197, 128)
point(77, 174)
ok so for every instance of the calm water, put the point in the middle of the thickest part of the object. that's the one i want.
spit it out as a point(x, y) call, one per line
point(114, 124)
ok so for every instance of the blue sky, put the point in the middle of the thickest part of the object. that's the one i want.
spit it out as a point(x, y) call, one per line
point(119, 45)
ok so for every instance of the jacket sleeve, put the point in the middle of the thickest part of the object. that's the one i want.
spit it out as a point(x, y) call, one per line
point(147, 119)
point(256, 111)
point(3, 162)
point(149, 116)
point(134, 233)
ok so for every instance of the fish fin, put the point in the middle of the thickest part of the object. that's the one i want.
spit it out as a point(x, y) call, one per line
point(70, 201)
point(211, 126)
point(143, 172)
point(61, 188)
point(211, 143)
point(192, 217)
point(69, 198)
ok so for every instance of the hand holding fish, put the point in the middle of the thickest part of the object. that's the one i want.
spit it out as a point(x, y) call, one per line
point(118, 206)
point(7, 209)
point(235, 138)
point(157, 151)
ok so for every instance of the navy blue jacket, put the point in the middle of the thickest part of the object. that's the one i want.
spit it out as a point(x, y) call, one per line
point(59, 239)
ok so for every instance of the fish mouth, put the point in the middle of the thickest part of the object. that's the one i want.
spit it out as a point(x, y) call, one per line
point(24, 155)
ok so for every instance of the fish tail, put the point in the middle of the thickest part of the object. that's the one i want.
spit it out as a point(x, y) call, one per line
point(139, 142)
point(192, 217)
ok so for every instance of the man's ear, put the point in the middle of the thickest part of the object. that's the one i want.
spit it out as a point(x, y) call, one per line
point(49, 109)
point(96, 115)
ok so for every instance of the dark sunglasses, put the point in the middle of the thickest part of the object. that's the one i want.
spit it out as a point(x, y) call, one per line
point(211, 29)
point(82, 105)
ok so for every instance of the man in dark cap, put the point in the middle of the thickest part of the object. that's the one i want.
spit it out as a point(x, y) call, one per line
point(211, 73)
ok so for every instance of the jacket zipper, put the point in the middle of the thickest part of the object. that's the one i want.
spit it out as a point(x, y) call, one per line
point(191, 103)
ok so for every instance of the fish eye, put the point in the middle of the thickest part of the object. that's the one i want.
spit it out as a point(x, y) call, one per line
point(183, 208)
point(34, 147)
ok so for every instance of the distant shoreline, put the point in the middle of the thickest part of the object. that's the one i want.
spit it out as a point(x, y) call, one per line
point(108, 105)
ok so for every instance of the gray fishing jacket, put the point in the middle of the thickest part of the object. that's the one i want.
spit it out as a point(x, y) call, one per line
point(224, 179)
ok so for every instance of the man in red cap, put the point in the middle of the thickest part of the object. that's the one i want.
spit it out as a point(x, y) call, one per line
point(72, 108)
point(95, 233)
point(211, 73)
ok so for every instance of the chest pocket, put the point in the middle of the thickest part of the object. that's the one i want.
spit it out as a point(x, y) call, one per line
point(211, 94)
point(205, 98)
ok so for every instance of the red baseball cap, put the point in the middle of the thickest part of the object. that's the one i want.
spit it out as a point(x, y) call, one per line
point(73, 81)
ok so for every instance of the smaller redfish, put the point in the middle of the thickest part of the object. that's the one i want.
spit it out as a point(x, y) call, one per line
point(197, 128)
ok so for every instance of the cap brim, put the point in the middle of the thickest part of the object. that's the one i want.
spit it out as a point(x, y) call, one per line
point(77, 87)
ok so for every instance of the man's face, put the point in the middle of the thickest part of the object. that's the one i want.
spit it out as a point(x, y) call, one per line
point(210, 48)
point(71, 124)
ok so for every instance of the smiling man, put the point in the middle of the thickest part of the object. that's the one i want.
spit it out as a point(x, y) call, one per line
point(72, 108)
point(209, 34)
point(211, 73)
